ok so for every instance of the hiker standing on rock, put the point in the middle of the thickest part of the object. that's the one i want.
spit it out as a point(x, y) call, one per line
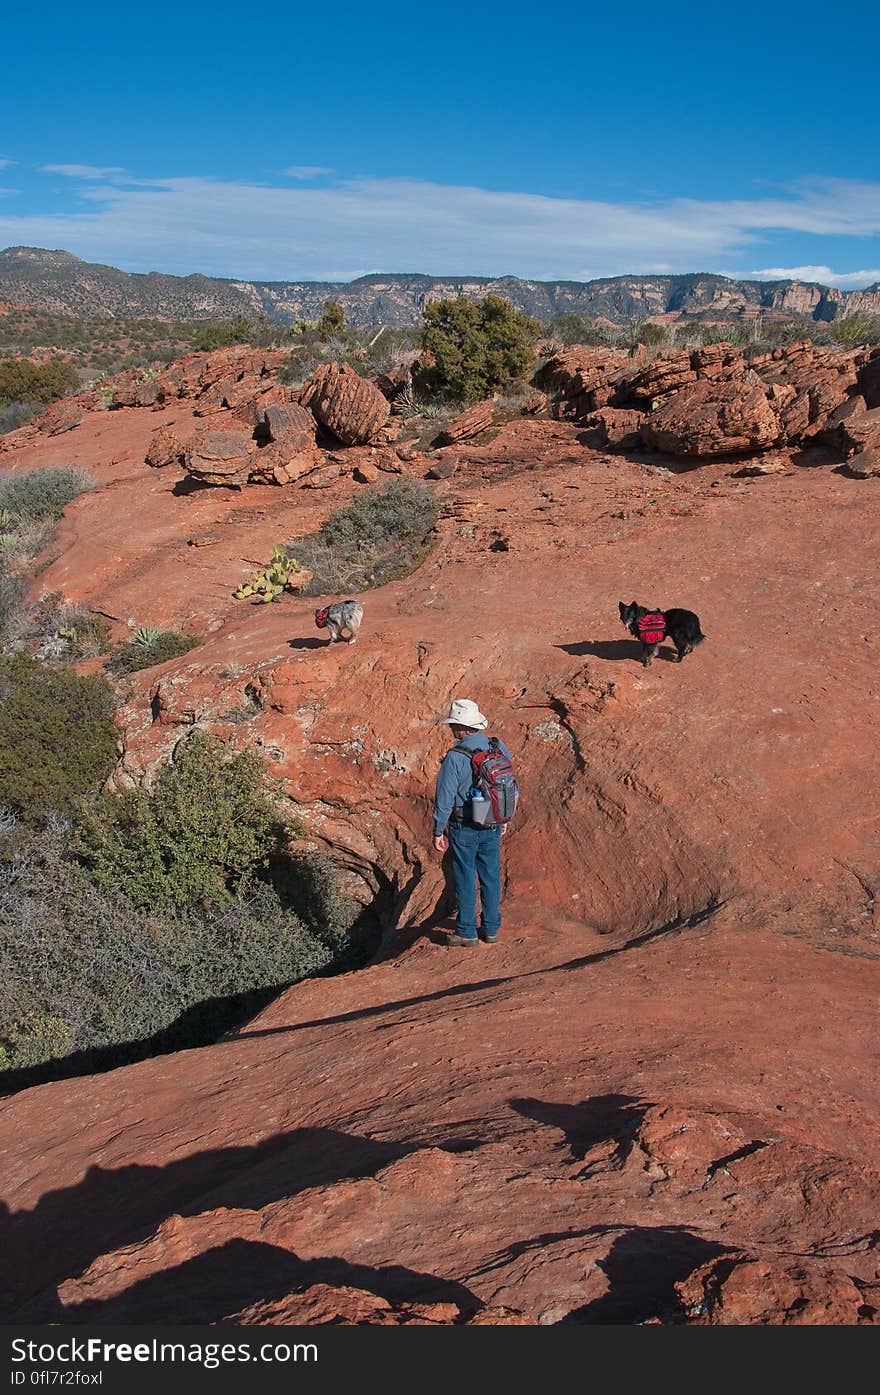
point(475, 796)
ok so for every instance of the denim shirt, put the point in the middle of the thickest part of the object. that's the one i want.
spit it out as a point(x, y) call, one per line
point(455, 778)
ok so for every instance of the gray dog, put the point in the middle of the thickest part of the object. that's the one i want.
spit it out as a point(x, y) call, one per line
point(341, 615)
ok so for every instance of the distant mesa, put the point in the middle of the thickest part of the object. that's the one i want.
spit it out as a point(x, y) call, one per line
point(56, 282)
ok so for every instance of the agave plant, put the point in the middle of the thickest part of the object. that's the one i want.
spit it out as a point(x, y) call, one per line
point(147, 635)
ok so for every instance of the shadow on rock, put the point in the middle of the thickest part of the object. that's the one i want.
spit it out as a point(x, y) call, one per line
point(112, 1207)
point(189, 485)
point(597, 1120)
point(222, 1281)
point(642, 1267)
point(614, 649)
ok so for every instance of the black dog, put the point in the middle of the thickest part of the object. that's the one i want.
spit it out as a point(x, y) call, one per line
point(651, 626)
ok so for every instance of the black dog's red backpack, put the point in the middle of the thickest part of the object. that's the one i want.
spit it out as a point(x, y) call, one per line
point(321, 617)
point(493, 774)
point(652, 627)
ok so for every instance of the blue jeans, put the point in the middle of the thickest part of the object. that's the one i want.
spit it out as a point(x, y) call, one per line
point(476, 856)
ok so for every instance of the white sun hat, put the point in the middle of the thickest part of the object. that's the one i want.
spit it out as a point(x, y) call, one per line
point(464, 713)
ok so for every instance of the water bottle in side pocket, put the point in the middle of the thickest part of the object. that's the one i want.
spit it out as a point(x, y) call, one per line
point(481, 808)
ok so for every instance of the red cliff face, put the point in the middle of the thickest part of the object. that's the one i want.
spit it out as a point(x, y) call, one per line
point(657, 1088)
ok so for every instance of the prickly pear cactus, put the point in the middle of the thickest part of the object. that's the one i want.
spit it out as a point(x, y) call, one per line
point(270, 584)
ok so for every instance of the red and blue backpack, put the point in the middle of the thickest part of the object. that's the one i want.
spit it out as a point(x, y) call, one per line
point(494, 776)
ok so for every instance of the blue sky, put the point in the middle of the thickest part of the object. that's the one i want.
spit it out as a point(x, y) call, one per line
point(292, 142)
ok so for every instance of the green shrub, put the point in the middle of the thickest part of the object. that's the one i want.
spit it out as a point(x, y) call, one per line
point(851, 330)
point(403, 508)
point(57, 736)
point(384, 534)
point(300, 366)
point(36, 383)
point(332, 322)
point(199, 836)
point(14, 610)
point(42, 494)
point(16, 414)
point(69, 630)
point(577, 329)
point(478, 346)
point(222, 334)
point(150, 646)
point(650, 333)
point(82, 970)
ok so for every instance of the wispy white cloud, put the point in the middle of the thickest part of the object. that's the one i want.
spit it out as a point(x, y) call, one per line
point(307, 171)
point(344, 228)
point(823, 274)
point(85, 171)
point(4, 161)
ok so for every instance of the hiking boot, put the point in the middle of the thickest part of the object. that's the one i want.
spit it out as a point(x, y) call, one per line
point(490, 938)
point(464, 941)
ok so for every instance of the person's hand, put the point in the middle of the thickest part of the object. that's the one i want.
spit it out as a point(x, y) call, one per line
point(441, 843)
point(503, 829)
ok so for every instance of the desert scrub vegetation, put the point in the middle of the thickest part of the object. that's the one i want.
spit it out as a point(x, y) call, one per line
point(577, 329)
point(36, 384)
point(332, 321)
point(87, 976)
point(37, 495)
point(149, 646)
point(14, 610)
point(851, 330)
point(158, 918)
point(65, 630)
point(57, 737)
point(478, 346)
point(384, 534)
point(31, 504)
point(206, 827)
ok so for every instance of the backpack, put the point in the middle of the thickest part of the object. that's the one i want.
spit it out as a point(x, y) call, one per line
point(494, 777)
point(652, 627)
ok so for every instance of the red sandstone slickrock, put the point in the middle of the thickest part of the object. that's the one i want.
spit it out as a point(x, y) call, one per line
point(654, 1099)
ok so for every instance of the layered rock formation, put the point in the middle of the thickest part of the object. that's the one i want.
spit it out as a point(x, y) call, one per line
point(468, 424)
point(712, 401)
point(349, 406)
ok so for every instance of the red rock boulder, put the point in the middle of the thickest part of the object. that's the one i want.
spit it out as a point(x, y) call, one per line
point(164, 448)
point(61, 416)
point(583, 379)
point(283, 464)
point(666, 374)
point(707, 419)
point(773, 1292)
point(869, 378)
point(468, 424)
point(220, 457)
point(345, 403)
point(289, 425)
point(620, 428)
point(859, 432)
point(865, 465)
